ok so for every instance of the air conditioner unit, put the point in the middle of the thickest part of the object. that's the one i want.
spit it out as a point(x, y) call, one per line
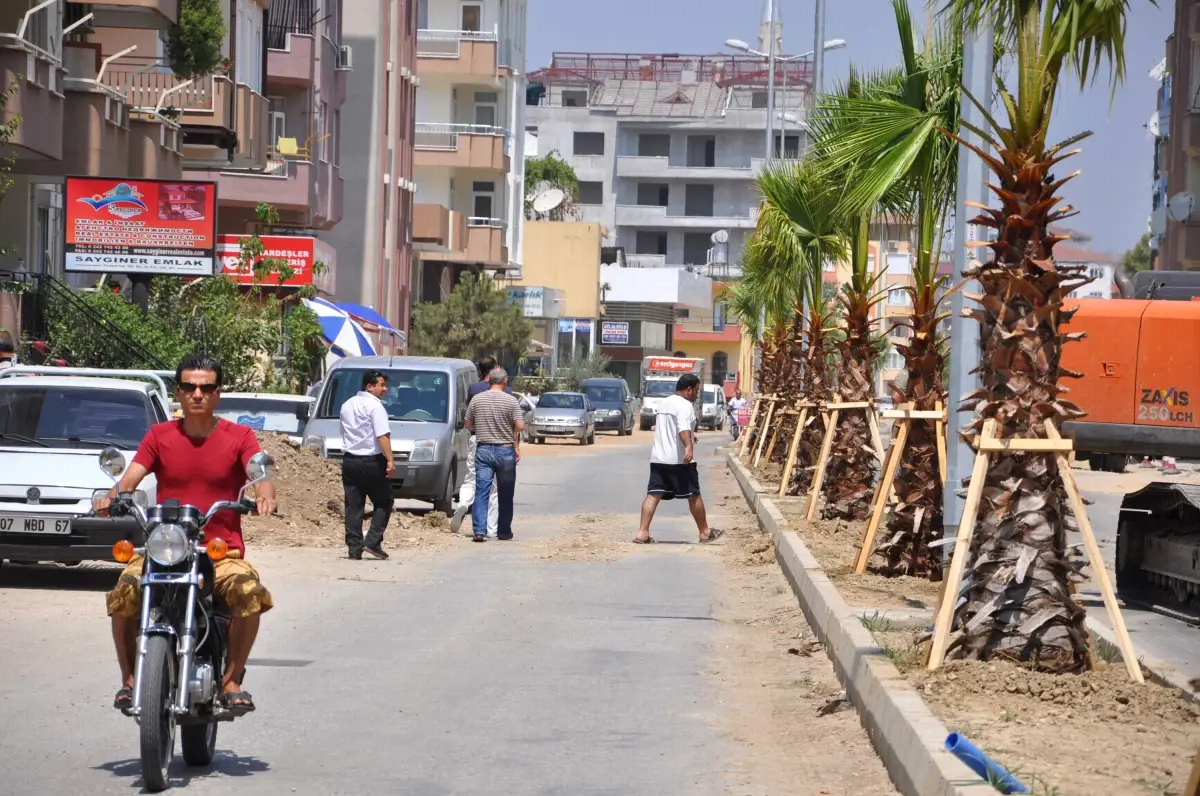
point(893, 246)
point(345, 58)
point(405, 72)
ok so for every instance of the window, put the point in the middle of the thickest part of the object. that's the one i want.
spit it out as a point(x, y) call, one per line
point(414, 395)
point(790, 146)
point(653, 194)
point(484, 198)
point(574, 98)
point(591, 193)
point(720, 366)
point(682, 313)
point(278, 119)
point(423, 14)
point(487, 107)
point(894, 360)
point(898, 297)
point(74, 417)
point(560, 400)
point(698, 200)
point(472, 17)
point(654, 145)
point(758, 100)
point(651, 243)
point(718, 317)
point(589, 144)
point(336, 138)
point(701, 151)
point(695, 248)
point(899, 264)
point(249, 62)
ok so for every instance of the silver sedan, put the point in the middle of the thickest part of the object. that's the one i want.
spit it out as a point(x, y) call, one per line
point(561, 415)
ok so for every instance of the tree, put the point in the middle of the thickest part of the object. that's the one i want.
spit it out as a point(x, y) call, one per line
point(906, 167)
point(194, 43)
point(1019, 603)
point(578, 368)
point(475, 320)
point(551, 171)
point(1137, 258)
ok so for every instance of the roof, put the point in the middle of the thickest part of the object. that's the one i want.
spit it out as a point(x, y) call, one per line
point(650, 98)
point(96, 382)
point(1066, 253)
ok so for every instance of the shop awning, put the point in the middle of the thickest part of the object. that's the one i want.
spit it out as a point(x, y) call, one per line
point(537, 348)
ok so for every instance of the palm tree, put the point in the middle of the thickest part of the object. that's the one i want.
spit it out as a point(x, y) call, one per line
point(1018, 598)
point(906, 167)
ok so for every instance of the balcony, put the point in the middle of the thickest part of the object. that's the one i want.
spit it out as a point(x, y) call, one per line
point(646, 260)
point(305, 190)
point(39, 101)
point(136, 14)
point(674, 286)
point(458, 53)
point(1191, 133)
point(291, 47)
point(461, 146)
point(662, 168)
point(485, 242)
point(657, 216)
point(98, 119)
point(437, 228)
point(155, 148)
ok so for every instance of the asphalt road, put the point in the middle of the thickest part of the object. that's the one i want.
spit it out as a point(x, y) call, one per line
point(477, 670)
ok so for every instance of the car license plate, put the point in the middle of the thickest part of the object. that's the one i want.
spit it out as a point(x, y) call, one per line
point(557, 429)
point(24, 524)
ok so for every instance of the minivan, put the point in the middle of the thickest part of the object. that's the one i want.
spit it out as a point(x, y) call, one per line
point(713, 409)
point(613, 402)
point(426, 402)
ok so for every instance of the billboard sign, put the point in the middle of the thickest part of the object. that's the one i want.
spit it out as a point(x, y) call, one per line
point(672, 364)
point(614, 333)
point(299, 252)
point(140, 226)
point(531, 300)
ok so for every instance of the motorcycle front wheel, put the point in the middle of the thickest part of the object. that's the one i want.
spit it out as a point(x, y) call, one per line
point(199, 743)
point(157, 717)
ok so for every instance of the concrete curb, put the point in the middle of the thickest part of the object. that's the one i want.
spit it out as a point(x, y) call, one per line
point(905, 733)
point(1156, 670)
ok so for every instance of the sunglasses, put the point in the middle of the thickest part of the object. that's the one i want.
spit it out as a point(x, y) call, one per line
point(188, 388)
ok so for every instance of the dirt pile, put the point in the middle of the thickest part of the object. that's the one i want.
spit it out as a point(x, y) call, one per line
point(309, 491)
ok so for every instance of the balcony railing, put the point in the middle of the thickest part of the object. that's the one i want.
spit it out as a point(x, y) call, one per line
point(436, 135)
point(150, 84)
point(448, 43)
point(493, 223)
point(646, 260)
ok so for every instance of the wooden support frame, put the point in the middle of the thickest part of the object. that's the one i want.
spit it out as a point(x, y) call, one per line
point(895, 455)
point(762, 437)
point(750, 426)
point(831, 411)
point(794, 450)
point(1060, 448)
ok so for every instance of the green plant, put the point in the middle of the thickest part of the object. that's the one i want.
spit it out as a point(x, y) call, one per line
point(1137, 258)
point(577, 368)
point(877, 623)
point(475, 320)
point(550, 170)
point(194, 43)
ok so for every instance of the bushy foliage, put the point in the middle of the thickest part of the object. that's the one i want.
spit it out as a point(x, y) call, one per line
point(475, 320)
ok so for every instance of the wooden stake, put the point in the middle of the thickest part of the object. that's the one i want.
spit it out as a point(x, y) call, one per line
point(819, 476)
point(962, 548)
point(775, 434)
point(1093, 552)
point(762, 437)
point(793, 452)
point(749, 427)
point(876, 439)
point(940, 427)
point(1193, 783)
point(891, 465)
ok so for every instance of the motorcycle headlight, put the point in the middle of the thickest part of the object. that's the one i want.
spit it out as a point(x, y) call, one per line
point(167, 545)
point(423, 450)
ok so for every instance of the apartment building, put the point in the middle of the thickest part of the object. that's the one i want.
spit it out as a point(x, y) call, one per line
point(667, 147)
point(76, 117)
point(1175, 217)
point(469, 147)
point(375, 136)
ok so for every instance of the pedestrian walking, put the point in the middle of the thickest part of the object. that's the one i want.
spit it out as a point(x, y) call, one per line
point(466, 493)
point(367, 465)
point(496, 418)
point(673, 470)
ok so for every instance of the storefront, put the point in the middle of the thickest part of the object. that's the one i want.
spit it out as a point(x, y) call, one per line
point(542, 306)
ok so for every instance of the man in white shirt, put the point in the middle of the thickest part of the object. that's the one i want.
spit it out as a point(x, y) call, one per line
point(735, 406)
point(367, 465)
point(673, 471)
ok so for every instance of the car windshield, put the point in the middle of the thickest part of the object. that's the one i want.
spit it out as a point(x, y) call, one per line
point(73, 417)
point(603, 395)
point(658, 389)
point(420, 396)
point(710, 396)
point(560, 401)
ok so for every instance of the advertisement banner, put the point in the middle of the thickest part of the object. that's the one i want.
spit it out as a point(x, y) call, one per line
point(140, 226)
point(583, 326)
point(614, 333)
point(566, 326)
point(299, 252)
point(672, 364)
point(531, 300)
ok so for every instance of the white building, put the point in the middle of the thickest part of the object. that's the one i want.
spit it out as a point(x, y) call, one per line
point(469, 143)
point(667, 147)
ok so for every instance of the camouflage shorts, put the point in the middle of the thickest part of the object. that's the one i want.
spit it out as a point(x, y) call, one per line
point(235, 585)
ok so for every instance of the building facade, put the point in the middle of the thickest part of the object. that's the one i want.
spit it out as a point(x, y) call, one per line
point(469, 147)
point(375, 129)
point(1174, 218)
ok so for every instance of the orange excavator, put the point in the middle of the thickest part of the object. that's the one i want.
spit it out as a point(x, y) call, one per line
point(1141, 390)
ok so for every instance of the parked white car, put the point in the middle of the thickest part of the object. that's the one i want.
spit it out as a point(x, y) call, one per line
point(53, 424)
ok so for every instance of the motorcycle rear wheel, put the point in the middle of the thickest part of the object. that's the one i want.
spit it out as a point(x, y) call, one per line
point(157, 716)
point(199, 743)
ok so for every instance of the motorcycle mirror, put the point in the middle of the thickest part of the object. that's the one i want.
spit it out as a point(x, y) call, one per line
point(112, 462)
point(260, 467)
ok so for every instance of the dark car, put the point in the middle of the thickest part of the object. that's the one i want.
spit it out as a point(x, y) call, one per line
point(613, 402)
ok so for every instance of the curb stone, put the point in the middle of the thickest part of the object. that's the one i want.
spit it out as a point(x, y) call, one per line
point(906, 735)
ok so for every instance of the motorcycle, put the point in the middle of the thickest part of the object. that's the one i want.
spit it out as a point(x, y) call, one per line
point(182, 637)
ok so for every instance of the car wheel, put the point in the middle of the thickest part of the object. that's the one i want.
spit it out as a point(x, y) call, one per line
point(445, 503)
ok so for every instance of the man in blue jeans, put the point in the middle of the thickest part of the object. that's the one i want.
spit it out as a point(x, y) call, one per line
point(496, 419)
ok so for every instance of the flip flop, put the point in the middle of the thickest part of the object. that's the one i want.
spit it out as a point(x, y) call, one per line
point(238, 701)
point(124, 699)
point(713, 535)
point(647, 540)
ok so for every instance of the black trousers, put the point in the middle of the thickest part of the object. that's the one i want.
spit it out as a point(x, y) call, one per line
point(366, 477)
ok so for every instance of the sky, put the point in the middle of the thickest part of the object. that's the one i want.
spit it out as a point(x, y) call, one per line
point(1113, 192)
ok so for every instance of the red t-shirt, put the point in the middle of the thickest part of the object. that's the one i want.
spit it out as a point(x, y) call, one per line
point(200, 472)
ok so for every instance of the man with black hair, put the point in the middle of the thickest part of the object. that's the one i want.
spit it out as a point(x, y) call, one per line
point(367, 465)
point(673, 471)
point(198, 460)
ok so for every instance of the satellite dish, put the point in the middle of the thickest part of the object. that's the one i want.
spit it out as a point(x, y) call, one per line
point(1180, 206)
point(548, 200)
point(720, 236)
point(1152, 125)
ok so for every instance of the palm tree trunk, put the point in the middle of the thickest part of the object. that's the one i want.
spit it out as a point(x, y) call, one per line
point(847, 484)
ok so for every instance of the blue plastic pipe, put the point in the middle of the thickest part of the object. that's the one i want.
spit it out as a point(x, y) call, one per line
point(987, 768)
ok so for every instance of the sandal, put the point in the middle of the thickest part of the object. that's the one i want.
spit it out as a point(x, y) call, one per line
point(713, 535)
point(239, 701)
point(124, 699)
point(647, 540)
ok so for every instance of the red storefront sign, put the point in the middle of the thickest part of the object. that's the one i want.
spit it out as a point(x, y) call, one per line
point(672, 364)
point(298, 252)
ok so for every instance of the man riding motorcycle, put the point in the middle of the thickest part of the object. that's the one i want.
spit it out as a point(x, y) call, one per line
point(197, 460)
point(735, 406)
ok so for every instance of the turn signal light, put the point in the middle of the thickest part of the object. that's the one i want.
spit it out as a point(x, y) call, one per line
point(122, 551)
point(217, 549)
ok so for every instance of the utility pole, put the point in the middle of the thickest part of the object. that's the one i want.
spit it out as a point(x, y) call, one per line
point(818, 51)
point(964, 332)
point(772, 13)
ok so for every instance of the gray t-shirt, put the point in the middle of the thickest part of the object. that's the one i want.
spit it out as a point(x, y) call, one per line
point(492, 415)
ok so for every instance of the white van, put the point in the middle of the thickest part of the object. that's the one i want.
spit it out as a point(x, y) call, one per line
point(714, 410)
